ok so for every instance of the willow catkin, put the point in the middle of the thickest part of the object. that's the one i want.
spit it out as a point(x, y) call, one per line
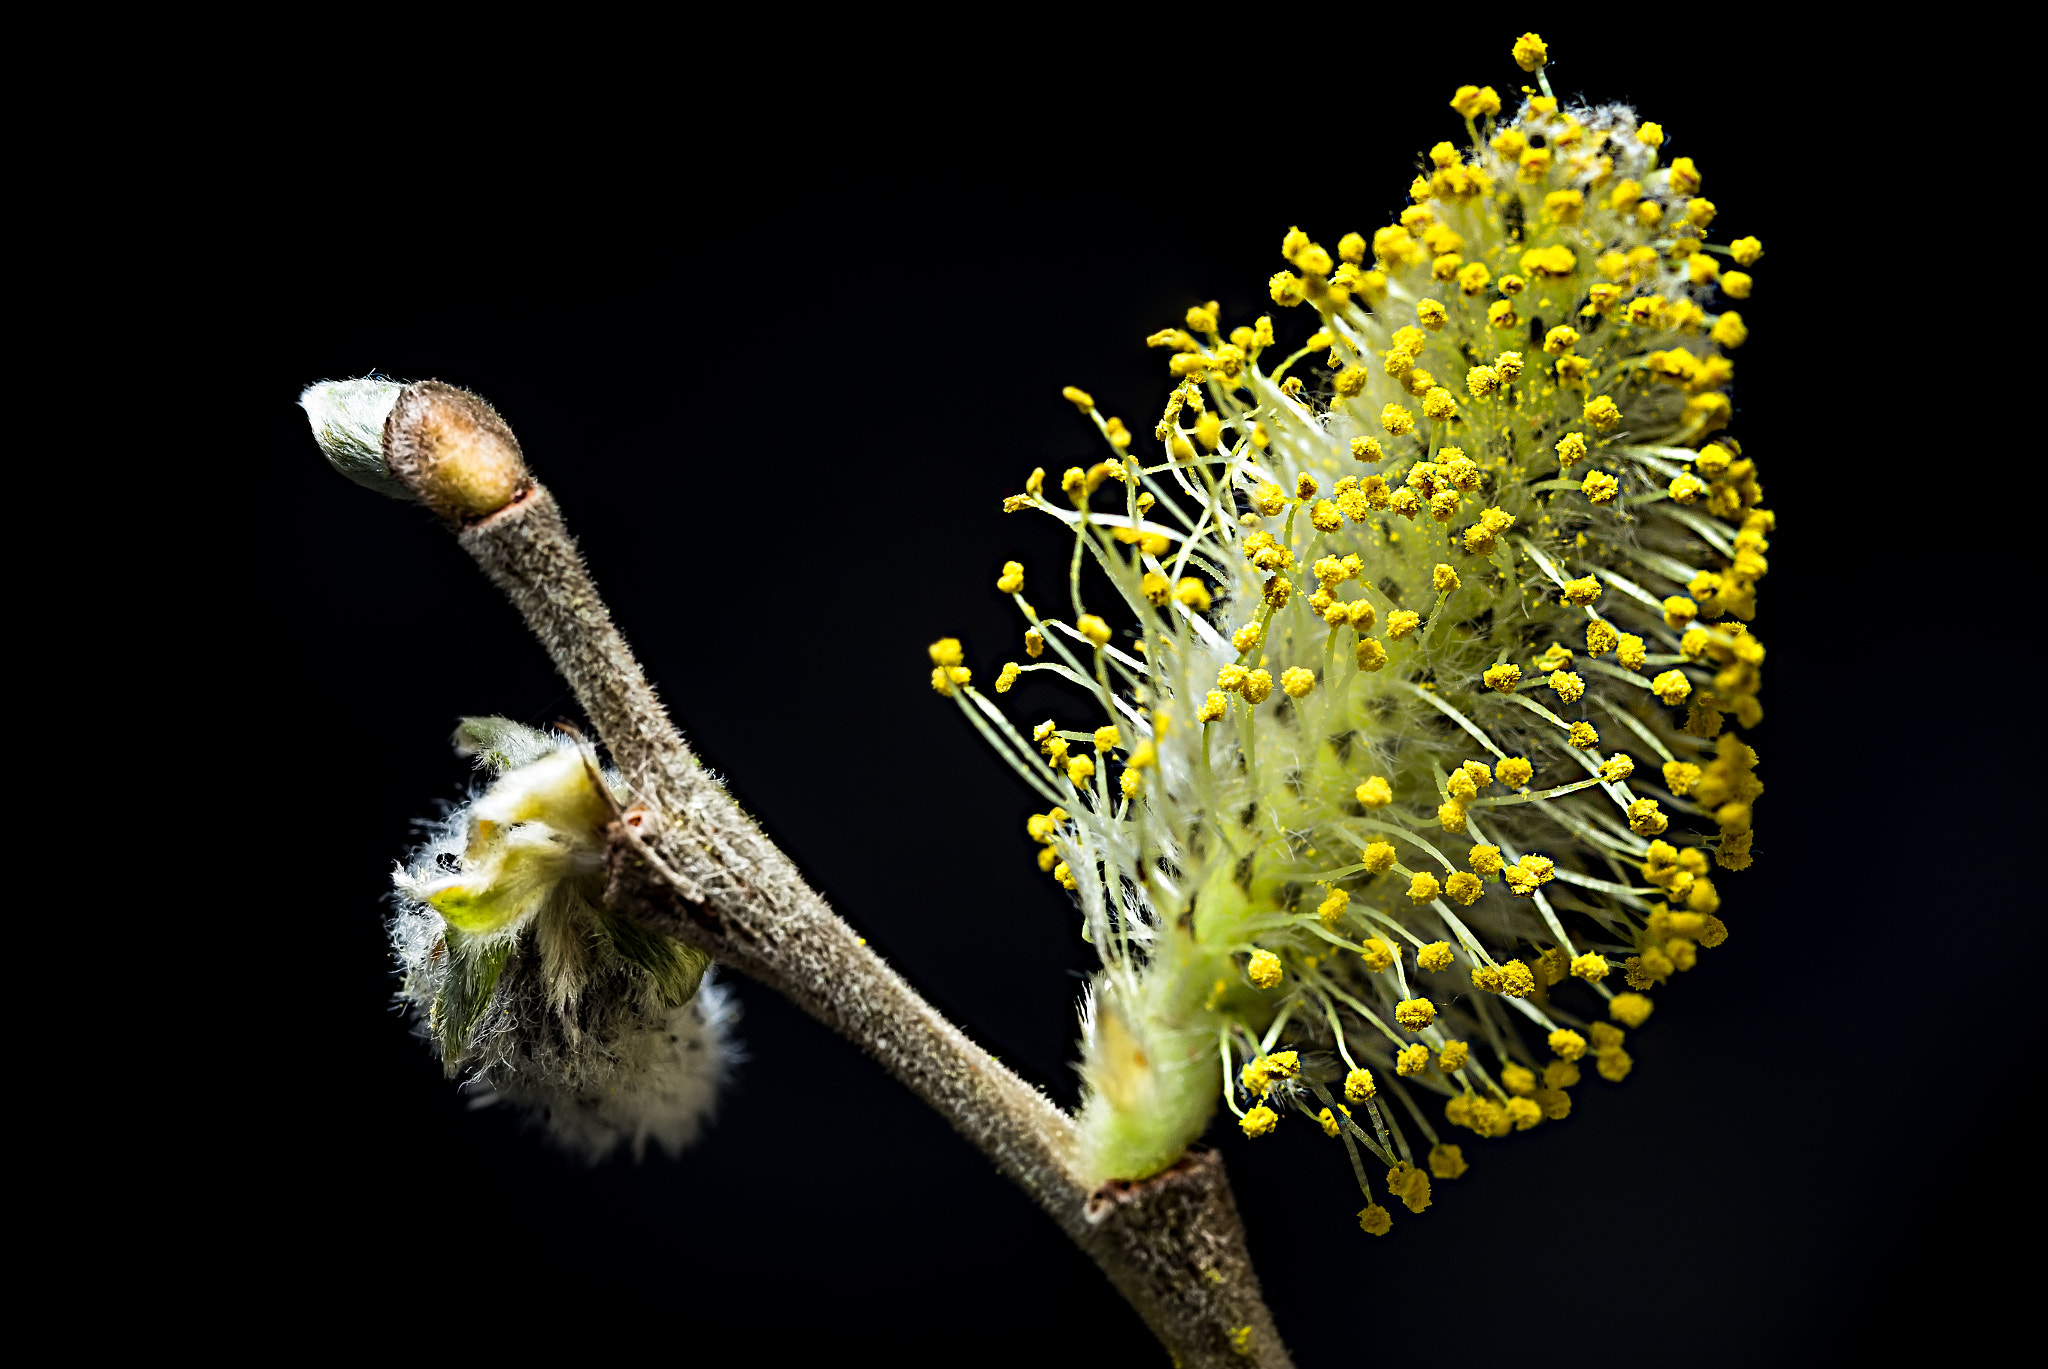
point(1413, 727)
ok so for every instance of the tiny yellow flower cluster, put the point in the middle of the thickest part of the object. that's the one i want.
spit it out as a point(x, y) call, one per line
point(1418, 676)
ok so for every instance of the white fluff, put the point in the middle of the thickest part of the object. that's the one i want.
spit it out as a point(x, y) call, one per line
point(348, 423)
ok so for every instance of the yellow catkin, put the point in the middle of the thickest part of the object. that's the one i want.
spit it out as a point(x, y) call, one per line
point(1488, 603)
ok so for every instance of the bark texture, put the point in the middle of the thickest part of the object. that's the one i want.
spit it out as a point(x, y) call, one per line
point(687, 860)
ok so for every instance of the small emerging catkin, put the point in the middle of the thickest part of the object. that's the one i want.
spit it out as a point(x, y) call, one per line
point(531, 990)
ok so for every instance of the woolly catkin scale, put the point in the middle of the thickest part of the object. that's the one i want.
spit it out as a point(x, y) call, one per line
point(1503, 457)
point(530, 989)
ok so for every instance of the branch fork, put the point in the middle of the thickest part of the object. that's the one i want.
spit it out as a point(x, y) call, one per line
point(685, 860)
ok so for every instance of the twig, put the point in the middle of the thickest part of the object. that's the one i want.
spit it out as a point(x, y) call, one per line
point(687, 861)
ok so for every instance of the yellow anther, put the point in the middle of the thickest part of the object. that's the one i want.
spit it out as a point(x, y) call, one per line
point(1377, 858)
point(1680, 777)
point(1567, 1045)
point(1568, 685)
point(1464, 887)
point(1008, 676)
point(1516, 980)
point(1193, 593)
point(1263, 969)
point(1583, 736)
point(1378, 955)
point(1473, 101)
point(1645, 819)
point(1630, 1009)
point(1401, 622)
point(1397, 420)
point(1524, 1113)
point(1617, 767)
point(1501, 314)
point(1258, 685)
point(1107, 738)
point(1367, 449)
point(1260, 1121)
point(1590, 967)
point(1602, 414)
point(1600, 487)
point(1012, 579)
point(1079, 771)
point(1502, 678)
point(946, 652)
point(1093, 628)
point(1630, 651)
point(1679, 612)
point(1672, 687)
point(1424, 888)
point(1451, 814)
point(1213, 708)
point(1560, 339)
point(1411, 1060)
point(1297, 682)
point(1530, 52)
point(1686, 487)
point(1079, 398)
point(1375, 793)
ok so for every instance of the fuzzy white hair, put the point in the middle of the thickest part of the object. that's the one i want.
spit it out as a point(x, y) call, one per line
point(348, 423)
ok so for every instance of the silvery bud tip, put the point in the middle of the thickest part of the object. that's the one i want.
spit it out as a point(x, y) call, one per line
point(348, 423)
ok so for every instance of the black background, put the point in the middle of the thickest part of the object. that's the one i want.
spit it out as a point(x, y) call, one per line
point(779, 356)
